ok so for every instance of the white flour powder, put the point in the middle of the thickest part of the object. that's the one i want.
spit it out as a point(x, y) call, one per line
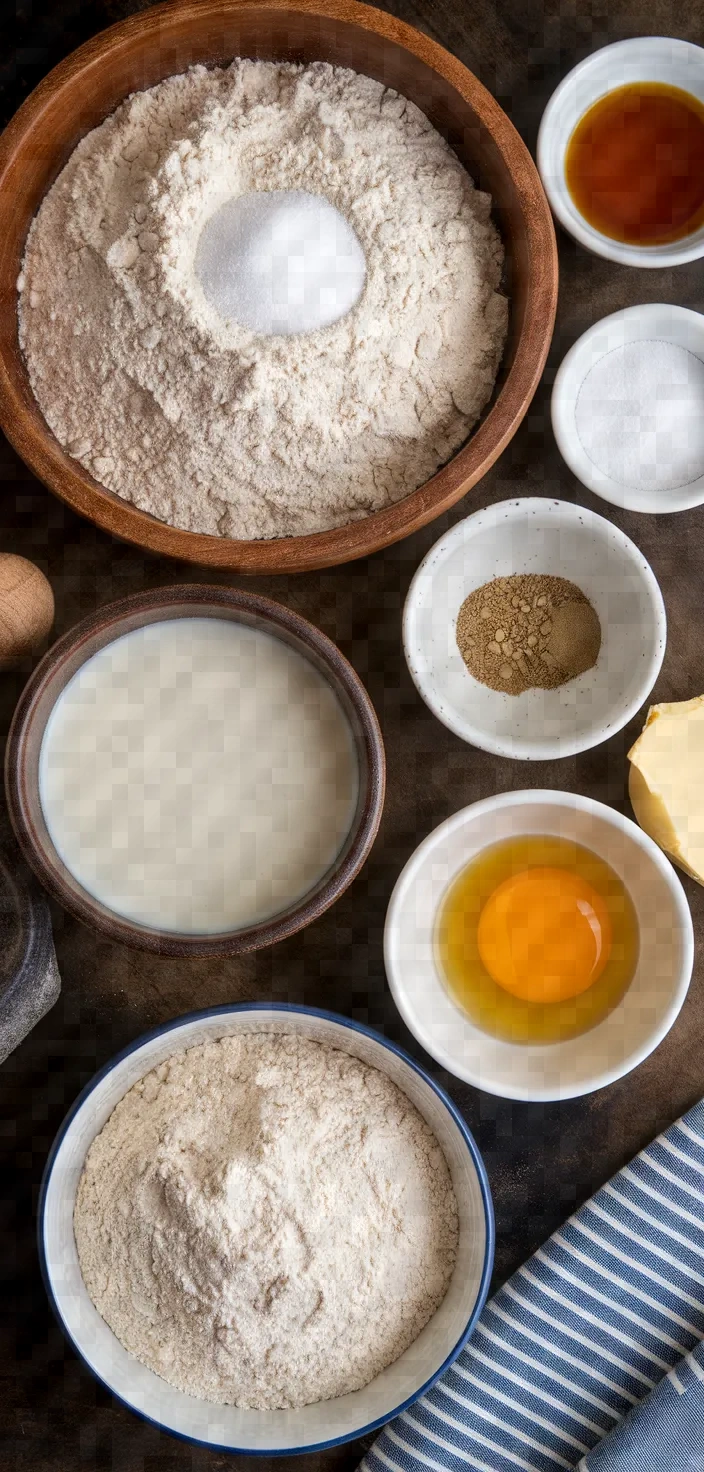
point(193, 417)
point(266, 1222)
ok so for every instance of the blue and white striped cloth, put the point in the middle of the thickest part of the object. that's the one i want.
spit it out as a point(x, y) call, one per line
point(591, 1356)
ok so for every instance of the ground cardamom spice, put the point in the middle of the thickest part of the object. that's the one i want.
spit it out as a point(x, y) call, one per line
point(528, 631)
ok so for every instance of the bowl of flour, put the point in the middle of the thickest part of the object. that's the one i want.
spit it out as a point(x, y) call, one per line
point(281, 304)
point(265, 1228)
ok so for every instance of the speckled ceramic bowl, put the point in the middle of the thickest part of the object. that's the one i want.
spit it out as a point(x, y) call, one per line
point(535, 535)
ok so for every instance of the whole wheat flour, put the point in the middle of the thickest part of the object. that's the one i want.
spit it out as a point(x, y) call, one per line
point(197, 419)
point(266, 1222)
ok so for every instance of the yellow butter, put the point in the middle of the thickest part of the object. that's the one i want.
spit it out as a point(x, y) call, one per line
point(666, 781)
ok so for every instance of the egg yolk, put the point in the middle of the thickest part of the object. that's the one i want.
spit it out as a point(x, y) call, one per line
point(544, 935)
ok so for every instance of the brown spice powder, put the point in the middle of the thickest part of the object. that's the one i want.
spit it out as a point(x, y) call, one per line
point(527, 631)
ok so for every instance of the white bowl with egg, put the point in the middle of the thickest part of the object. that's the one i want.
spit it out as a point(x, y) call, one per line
point(643, 456)
point(536, 535)
point(660, 59)
point(228, 1428)
point(547, 1071)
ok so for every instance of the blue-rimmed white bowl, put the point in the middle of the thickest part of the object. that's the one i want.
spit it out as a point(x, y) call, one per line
point(228, 1428)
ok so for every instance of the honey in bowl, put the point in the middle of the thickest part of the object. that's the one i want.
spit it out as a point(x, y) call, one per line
point(537, 939)
point(634, 164)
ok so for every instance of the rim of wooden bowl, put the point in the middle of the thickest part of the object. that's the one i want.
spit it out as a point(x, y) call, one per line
point(102, 627)
point(25, 427)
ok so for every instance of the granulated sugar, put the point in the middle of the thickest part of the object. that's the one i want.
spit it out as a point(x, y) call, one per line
point(192, 415)
point(640, 415)
point(280, 262)
point(266, 1222)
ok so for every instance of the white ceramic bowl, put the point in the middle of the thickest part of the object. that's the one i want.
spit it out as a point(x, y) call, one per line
point(642, 59)
point(535, 535)
point(226, 1428)
point(646, 323)
point(555, 1070)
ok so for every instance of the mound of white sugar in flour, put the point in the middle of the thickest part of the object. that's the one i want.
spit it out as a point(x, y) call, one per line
point(266, 1222)
point(196, 418)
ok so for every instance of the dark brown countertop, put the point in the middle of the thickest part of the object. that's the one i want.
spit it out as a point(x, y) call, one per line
point(542, 1160)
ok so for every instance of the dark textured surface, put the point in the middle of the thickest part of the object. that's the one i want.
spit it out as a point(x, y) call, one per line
point(542, 1160)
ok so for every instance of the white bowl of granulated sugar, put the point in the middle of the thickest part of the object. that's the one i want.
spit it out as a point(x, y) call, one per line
point(201, 1238)
point(628, 408)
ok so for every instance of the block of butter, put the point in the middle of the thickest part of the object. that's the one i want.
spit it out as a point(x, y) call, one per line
point(666, 781)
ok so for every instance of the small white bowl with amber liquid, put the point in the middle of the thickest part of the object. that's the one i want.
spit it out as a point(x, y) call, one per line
point(538, 945)
point(620, 152)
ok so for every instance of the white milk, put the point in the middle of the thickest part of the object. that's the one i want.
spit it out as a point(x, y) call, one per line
point(198, 775)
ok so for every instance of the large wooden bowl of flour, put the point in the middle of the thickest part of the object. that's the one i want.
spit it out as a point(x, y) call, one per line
point(161, 42)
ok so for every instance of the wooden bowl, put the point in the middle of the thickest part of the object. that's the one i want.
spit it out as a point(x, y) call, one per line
point(93, 633)
point(139, 52)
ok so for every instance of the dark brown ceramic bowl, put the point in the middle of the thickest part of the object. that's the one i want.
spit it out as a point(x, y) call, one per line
point(193, 601)
point(165, 39)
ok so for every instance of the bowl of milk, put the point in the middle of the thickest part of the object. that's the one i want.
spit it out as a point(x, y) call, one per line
point(195, 771)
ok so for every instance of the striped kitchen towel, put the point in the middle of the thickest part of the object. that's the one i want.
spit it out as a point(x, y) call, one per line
point(591, 1356)
point(663, 1434)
